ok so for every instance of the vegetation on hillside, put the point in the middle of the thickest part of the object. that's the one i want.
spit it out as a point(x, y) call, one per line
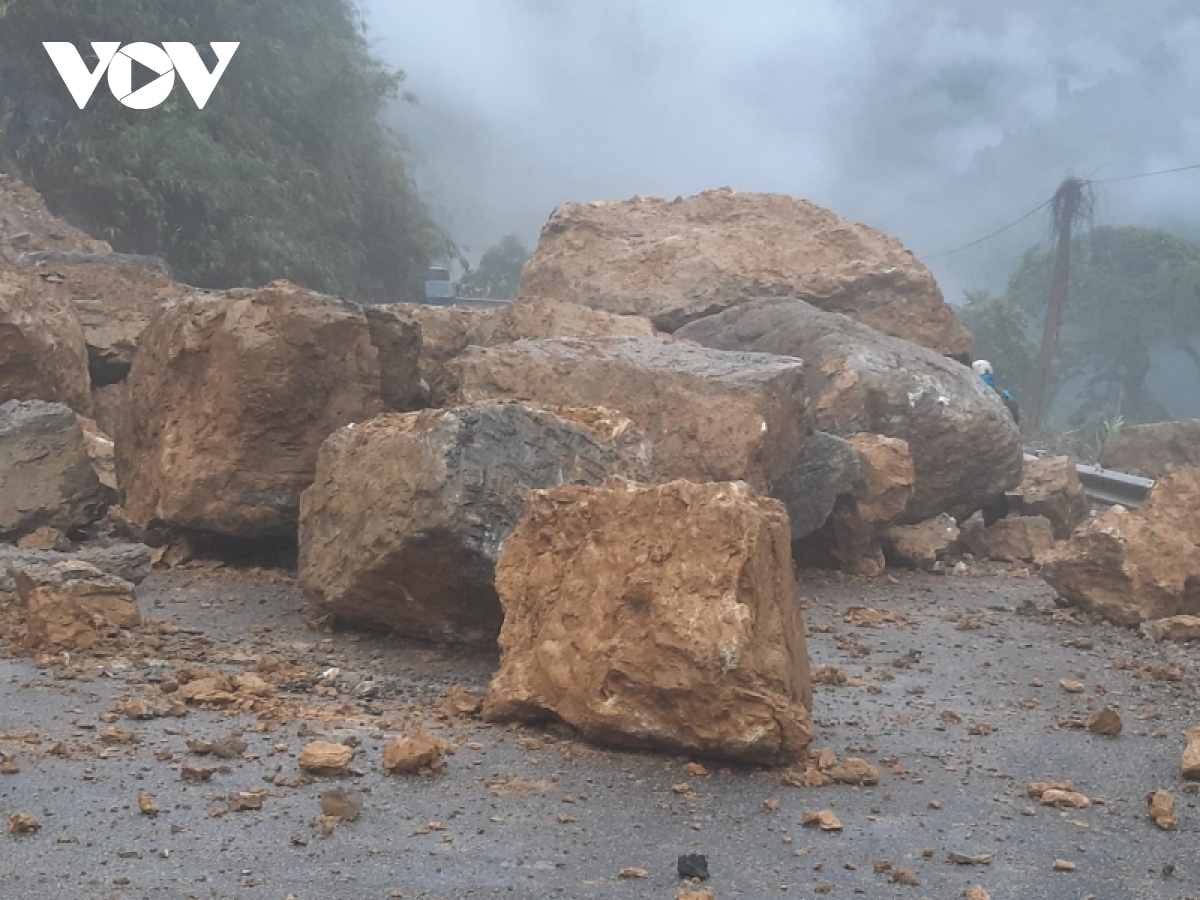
point(286, 172)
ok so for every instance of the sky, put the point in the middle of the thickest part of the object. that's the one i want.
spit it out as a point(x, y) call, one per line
point(938, 121)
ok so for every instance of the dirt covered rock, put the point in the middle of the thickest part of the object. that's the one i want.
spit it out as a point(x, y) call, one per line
point(407, 515)
point(850, 538)
point(965, 447)
point(228, 401)
point(711, 416)
point(532, 319)
point(43, 355)
point(1150, 450)
point(72, 605)
point(1130, 567)
point(397, 338)
point(659, 616)
point(675, 261)
point(446, 331)
point(115, 296)
point(1050, 487)
point(46, 474)
point(1014, 539)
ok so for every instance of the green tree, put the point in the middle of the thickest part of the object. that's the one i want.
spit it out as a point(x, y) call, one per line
point(498, 273)
point(286, 173)
point(1133, 293)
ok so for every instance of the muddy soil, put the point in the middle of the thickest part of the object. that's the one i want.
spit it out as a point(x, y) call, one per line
point(958, 703)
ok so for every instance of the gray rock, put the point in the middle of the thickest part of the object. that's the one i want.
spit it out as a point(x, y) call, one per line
point(129, 562)
point(828, 468)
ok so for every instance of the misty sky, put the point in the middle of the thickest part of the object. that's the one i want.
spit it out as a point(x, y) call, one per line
point(935, 120)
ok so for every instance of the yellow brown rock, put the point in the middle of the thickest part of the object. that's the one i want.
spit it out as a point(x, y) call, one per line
point(1189, 766)
point(1012, 539)
point(228, 401)
point(673, 261)
point(1131, 567)
point(73, 605)
point(657, 616)
point(1161, 808)
point(1050, 487)
point(325, 758)
point(1152, 450)
point(538, 318)
point(414, 753)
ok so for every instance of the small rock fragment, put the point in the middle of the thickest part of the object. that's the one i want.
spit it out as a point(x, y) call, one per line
point(826, 820)
point(1064, 865)
point(1037, 788)
point(245, 800)
point(1162, 810)
point(146, 804)
point(901, 875)
point(695, 770)
point(228, 747)
point(420, 752)
point(1071, 687)
point(693, 865)
point(325, 758)
point(1190, 764)
point(976, 892)
point(633, 872)
point(964, 859)
point(22, 823)
point(1065, 799)
point(1106, 722)
point(341, 804)
point(853, 770)
point(8, 765)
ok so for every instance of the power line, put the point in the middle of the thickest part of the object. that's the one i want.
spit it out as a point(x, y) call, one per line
point(1143, 175)
point(988, 237)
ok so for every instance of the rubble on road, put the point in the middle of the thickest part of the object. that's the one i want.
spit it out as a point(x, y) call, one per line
point(673, 261)
point(325, 758)
point(407, 513)
point(1012, 539)
point(965, 447)
point(1189, 766)
point(1131, 567)
point(1180, 629)
point(655, 616)
point(1151, 450)
point(228, 401)
point(46, 475)
point(1161, 808)
point(72, 605)
point(417, 753)
point(711, 416)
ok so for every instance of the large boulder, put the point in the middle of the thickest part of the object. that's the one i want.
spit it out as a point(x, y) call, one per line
point(675, 261)
point(543, 317)
point(1130, 567)
point(661, 617)
point(1050, 487)
point(965, 447)
point(403, 524)
point(1013, 539)
point(711, 416)
point(114, 295)
point(43, 355)
point(46, 475)
point(446, 331)
point(850, 538)
point(26, 225)
point(1150, 450)
point(228, 401)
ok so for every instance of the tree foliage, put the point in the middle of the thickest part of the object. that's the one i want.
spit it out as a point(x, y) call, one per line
point(498, 273)
point(286, 172)
point(1134, 292)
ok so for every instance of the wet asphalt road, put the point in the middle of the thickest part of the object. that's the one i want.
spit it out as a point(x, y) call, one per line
point(959, 705)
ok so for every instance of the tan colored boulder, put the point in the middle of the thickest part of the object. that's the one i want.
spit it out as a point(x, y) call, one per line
point(1014, 539)
point(711, 416)
point(920, 546)
point(43, 355)
point(1150, 450)
point(73, 605)
point(533, 319)
point(46, 475)
point(850, 539)
point(965, 447)
point(1050, 487)
point(115, 296)
point(407, 514)
point(27, 226)
point(1179, 629)
point(675, 261)
point(228, 401)
point(660, 617)
point(1130, 567)
point(446, 331)
point(1189, 766)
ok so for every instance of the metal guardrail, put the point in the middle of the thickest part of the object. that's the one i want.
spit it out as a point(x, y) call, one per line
point(1109, 486)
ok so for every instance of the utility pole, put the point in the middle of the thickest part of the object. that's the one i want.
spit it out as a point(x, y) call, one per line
point(1070, 203)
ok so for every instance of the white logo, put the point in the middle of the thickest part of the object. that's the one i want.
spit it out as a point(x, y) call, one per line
point(165, 61)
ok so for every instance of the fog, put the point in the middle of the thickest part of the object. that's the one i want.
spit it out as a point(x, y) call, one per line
point(938, 121)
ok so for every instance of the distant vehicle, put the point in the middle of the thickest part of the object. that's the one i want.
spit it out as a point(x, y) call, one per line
point(439, 289)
